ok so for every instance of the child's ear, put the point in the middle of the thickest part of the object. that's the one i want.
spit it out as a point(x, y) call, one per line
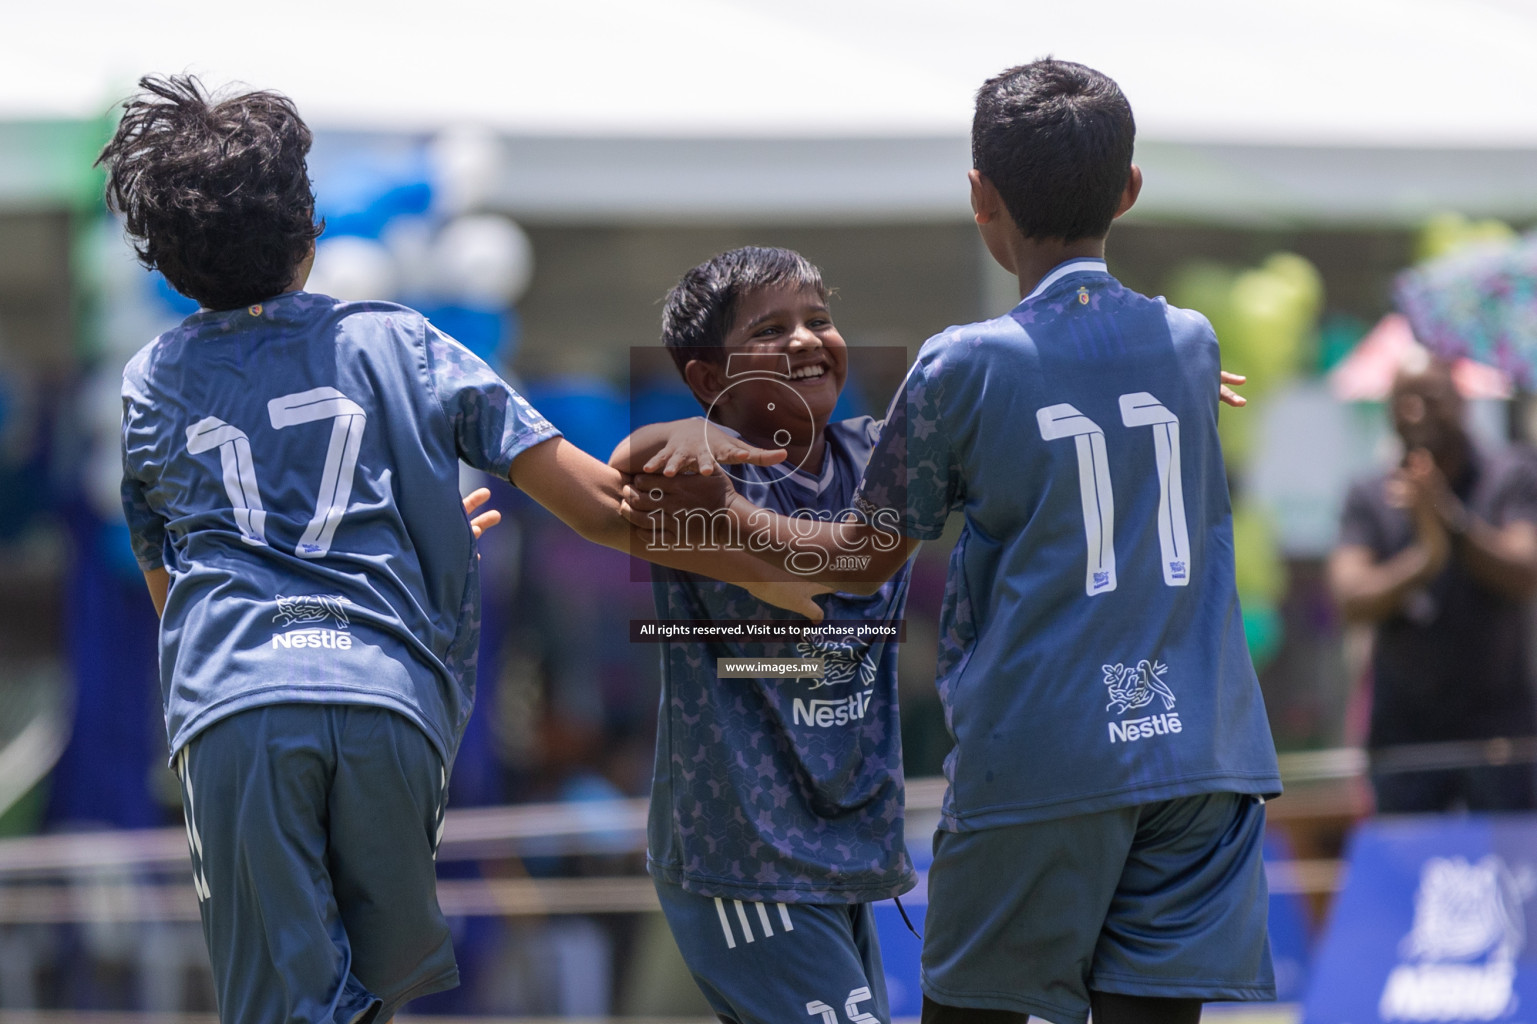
point(706, 379)
point(985, 200)
point(1132, 190)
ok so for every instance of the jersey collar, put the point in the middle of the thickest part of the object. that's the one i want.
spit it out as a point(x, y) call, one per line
point(813, 483)
point(1083, 264)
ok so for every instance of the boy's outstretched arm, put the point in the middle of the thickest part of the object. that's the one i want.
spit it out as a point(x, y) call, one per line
point(585, 494)
point(694, 445)
point(805, 548)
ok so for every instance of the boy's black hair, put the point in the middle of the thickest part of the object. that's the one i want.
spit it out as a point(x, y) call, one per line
point(698, 311)
point(215, 192)
point(1055, 138)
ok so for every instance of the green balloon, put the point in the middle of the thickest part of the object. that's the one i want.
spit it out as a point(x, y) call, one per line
point(1263, 629)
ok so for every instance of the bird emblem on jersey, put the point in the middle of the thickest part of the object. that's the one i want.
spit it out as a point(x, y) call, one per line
point(841, 663)
point(1134, 686)
point(310, 608)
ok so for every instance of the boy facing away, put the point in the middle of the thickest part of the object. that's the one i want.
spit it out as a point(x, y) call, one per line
point(290, 479)
point(1100, 838)
point(776, 803)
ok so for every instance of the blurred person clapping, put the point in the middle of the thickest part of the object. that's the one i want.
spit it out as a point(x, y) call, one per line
point(1439, 557)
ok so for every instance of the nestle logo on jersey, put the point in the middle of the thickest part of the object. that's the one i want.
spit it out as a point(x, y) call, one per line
point(326, 608)
point(1131, 729)
point(331, 639)
point(825, 713)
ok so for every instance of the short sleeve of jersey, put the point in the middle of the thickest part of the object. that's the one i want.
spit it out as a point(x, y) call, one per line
point(492, 423)
point(146, 530)
point(913, 470)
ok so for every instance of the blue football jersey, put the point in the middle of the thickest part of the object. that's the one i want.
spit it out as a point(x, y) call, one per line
point(294, 465)
point(782, 790)
point(1092, 652)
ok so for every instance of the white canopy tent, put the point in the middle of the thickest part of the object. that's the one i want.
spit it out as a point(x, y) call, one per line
point(1371, 111)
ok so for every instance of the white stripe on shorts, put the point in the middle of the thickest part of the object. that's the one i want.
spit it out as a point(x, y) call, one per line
point(199, 883)
point(725, 924)
point(741, 915)
point(768, 929)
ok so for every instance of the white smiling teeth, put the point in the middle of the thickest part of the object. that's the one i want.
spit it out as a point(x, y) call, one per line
point(808, 371)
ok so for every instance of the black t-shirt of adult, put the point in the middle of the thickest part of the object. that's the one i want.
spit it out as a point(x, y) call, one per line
point(1452, 663)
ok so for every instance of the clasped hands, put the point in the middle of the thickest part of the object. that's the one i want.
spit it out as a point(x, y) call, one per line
point(1438, 515)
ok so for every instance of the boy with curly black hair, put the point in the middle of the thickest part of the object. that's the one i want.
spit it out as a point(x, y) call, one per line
point(290, 479)
point(215, 195)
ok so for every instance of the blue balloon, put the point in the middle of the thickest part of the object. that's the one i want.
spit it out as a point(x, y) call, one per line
point(359, 192)
point(589, 411)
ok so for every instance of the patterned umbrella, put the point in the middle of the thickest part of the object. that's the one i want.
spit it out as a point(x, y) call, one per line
point(1366, 374)
point(1481, 303)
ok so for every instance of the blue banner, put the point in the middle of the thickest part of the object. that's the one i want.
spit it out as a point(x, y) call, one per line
point(1433, 924)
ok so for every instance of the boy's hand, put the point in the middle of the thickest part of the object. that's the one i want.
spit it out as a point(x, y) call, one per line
point(1227, 394)
point(699, 446)
point(487, 519)
point(653, 501)
point(792, 597)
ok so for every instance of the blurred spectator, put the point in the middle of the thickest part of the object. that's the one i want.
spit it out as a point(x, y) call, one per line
point(1439, 555)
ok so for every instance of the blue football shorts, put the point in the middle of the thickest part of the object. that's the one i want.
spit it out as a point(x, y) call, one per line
point(1166, 899)
point(313, 829)
point(768, 963)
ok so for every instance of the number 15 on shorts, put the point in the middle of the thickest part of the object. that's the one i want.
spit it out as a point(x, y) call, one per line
point(817, 1008)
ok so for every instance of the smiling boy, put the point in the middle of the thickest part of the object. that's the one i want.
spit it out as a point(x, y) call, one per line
point(776, 805)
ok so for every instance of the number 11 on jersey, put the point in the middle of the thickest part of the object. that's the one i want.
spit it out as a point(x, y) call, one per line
point(1138, 409)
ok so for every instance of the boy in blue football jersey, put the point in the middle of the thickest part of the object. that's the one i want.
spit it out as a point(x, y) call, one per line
point(1100, 838)
point(776, 803)
point(290, 479)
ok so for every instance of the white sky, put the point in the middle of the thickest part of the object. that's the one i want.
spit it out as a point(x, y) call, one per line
point(1334, 72)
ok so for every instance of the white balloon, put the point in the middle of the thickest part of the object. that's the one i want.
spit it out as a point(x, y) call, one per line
point(467, 164)
point(353, 269)
point(409, 240)
point(483, 261)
